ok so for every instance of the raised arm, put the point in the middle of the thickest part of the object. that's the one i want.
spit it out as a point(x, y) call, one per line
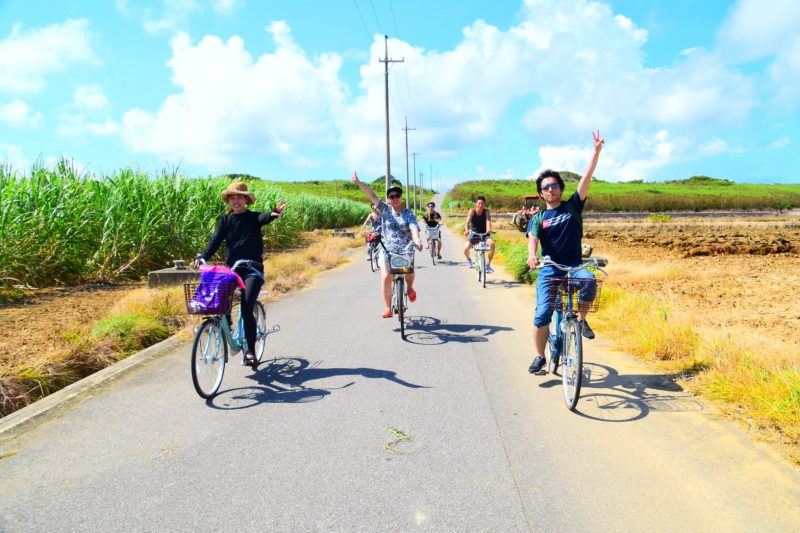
point(583, 185)
point(366, 190)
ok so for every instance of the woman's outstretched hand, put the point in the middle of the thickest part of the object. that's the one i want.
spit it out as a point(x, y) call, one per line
point(281, 206)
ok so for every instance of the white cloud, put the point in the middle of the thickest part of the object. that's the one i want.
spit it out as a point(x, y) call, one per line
point(79, 125)
point(12, 156)
point(224, 7)
point(18, 114)
point(89, 97)
point(781, 142)
point(175, 16)
point(755, 29)
point(229, 104)
point(27, 57)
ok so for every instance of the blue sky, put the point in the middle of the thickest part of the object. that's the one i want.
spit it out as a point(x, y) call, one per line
point(294, 90)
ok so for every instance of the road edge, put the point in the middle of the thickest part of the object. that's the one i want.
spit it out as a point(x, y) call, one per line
point(47, 405)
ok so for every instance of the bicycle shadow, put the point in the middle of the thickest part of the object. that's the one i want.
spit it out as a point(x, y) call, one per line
point(608, 396)
point(285, 380)
point(427, 330)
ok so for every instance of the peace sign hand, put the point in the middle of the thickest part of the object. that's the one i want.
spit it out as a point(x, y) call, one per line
point(598, 141)
point(281, 206)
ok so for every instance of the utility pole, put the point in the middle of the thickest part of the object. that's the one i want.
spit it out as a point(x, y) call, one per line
point(415, 154)
point(421, 190)
point(386, 60)
point(430, 178)
point(407, 129)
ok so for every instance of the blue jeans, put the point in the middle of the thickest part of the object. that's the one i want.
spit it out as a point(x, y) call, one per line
point(544, 311)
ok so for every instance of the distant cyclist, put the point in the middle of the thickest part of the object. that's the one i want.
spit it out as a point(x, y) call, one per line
point(399, 228)
point(559, 230)
point(373, 226)
point(240, 228)
point(479, 220)
point(433, 219)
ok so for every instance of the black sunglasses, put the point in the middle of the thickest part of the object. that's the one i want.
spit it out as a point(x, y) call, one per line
point(550, 186)
point(393, 196)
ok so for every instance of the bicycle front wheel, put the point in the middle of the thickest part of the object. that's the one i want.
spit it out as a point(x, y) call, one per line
point(572, 363)
point(551, 348)
point(399, 291)
point(432, 246)
point(260, 312)
point(483, 268)
point(209, 352)
point(373, 259)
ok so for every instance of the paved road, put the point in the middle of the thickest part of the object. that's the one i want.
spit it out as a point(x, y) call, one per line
point(301, 444)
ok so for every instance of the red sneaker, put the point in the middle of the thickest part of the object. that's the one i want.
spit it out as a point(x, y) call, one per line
point(412, 296)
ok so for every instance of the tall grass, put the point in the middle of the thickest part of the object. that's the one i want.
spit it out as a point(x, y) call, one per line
point(61, 227)
point(687, 195)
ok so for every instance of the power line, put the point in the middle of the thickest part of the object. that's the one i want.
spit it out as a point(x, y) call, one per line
point(363, 22)
point(376, 15)
point(394, 20)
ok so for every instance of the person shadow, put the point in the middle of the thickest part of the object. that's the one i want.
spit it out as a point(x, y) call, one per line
point(430, 331)
point(290, 380)
point(608, 396)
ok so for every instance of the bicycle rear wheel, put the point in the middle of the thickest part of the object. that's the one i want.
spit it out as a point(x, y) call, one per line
point(209, 352)
point(372, 262)
point(260, 312)
point(432, 246)
point(399, 291)
point(572, 363)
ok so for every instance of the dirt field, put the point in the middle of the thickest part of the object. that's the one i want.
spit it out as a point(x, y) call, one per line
point(741, 273)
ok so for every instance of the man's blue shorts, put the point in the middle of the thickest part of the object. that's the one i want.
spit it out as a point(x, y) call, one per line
point(543, 310)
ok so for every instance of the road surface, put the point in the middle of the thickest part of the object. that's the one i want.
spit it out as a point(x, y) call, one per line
point(352, 429)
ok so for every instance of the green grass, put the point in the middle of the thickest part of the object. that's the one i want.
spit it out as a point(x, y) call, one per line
point(345, 189)
point(695, 194)
point(61, 227)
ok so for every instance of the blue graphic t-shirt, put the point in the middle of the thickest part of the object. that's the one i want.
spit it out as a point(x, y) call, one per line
point(396, 227)
point(560, 231)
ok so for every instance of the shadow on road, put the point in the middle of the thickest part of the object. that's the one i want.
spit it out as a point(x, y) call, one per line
point(285, 380)
point(428, 330)
point(608, 396)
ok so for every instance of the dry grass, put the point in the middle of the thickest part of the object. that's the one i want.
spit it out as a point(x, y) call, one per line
point(136, 319)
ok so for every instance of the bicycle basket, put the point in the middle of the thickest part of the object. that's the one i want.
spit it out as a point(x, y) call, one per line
point(433, 233)
point(209, 298)
point(576, 294)
point(401, 263)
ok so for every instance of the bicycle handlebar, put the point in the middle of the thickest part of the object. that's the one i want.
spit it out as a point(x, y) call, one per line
point(599, 262)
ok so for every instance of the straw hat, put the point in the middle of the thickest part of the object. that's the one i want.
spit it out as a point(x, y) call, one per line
point(238, 188)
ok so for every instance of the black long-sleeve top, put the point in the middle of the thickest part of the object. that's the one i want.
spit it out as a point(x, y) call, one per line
point(242, 236)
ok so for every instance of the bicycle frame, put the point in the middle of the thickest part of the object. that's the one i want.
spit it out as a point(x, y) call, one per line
point(399, 303)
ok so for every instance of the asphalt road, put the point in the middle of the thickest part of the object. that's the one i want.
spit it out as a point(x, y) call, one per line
point(313, 441)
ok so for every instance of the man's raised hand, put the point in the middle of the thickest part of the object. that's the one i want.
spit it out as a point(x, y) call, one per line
point(598, 141)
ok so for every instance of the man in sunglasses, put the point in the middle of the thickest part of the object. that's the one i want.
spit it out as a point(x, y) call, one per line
point(559, 230)
point(432, 221)
point(479, 221)
point(399, 229)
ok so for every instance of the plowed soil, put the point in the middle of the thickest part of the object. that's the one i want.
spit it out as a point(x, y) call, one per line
point(742, 272)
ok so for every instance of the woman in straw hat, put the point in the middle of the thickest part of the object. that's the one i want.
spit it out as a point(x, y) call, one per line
point(240, 228)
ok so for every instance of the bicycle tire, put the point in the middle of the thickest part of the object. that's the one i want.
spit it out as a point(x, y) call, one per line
point(483, 268)
point(373, 262)
point(260, 312)
point(209, 353)
point(551, 348)
point(432, 246)
point(400, 295)
point(572, 363)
